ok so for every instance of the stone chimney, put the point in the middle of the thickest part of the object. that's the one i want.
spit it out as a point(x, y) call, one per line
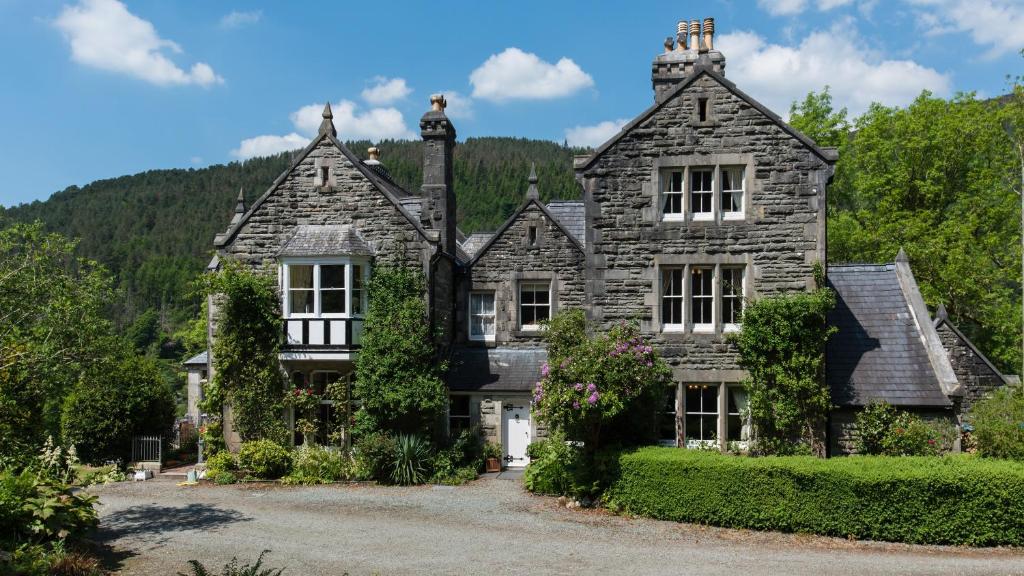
point(676, 63)
point(438, 191)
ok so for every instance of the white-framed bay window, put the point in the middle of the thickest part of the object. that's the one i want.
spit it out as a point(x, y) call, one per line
point(481, 316)
point(714, 414)
point(324, 288)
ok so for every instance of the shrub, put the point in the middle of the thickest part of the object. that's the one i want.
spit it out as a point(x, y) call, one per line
point(375, 454)
point(548, 470)
point(223, 461)
point(38, 509)
point(233, 569)
point(885, 430)
point(951, 500)
point(264, 459)
point(998, 423)
point(318, 465)
point(412, 455)
point(224, 478)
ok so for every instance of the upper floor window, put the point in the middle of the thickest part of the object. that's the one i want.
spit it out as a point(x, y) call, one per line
point(324, 289)
point(534, 304)
point(673, 195)
point(531, 236)
point(702, 192)
point(732, 192)
point(672, 298)
point(703, 298)
point(732, 297)
point(481, 315)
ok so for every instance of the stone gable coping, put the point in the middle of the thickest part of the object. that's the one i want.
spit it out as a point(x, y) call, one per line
point(511, 219)
point(942, 317)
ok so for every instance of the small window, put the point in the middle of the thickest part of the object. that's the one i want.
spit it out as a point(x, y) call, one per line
point(672, 299)
point(534, 304)
point(481, 315)
point(325, 176)
point(202, 374)
point(667, 418)
point(531, 235)
point(702, 109)
point(737, 429)
point(702, 193)
point(732, 297)
point(358, 290)
point(673, 195)
point(300, 289)
point(702, 299)
point(732, 192)
point(701, 406)
point(458, 415)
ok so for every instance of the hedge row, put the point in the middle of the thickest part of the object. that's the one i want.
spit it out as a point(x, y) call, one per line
point(952, 500)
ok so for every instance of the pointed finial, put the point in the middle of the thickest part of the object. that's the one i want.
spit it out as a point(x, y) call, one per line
point(327, 125)
point(901, 256)
point(240, 203)
point(940, 313)
point(532, 193)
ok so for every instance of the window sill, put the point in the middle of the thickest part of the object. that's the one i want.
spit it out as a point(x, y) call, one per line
point(703, 328)
point(703, 217)
point(528, 333)
point(733, 216)
point(482, 339)
point(673, 328)
point(673, 217)
point(730, 328)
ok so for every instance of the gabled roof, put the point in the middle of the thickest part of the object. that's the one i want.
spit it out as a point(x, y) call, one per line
point(393, 192)
point(495, 369)
point(826, 154)
point(885, 348)
point(200, 359)
point(511, 219)
point(570, 213)
point(942, 317)
point(475, 241)
point(324, 240)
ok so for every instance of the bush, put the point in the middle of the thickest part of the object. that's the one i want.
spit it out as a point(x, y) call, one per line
point(264, 459)
point(885, 430)
point(375, 454)
point(318, 465)
point(233, 569)
point(224, 478)
point(952, 500)
point(998, 423)
point(38, 509)
point(222, 461)
point(412, 455)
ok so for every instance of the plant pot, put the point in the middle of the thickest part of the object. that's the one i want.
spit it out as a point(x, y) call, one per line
point(492, 465)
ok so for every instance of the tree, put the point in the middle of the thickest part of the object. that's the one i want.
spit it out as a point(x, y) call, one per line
point(816, 118)
point(398, 376)
point(145, 331)
point(782, 346)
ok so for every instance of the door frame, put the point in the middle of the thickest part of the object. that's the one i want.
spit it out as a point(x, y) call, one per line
point(508, 409)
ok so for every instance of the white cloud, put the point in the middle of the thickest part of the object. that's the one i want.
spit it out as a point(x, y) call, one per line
point(594, 136)
point(777, 75)
point(459, 106)
point(374, 124)
point(514, 74)
point(997, 24)
point(236, 19)
point(386, 91)
point(196, 160)
point(826, 5)
point(268, 145)
point(782, 7)
point(105, 35)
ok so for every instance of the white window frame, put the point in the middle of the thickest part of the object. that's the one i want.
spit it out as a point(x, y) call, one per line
point(349, 263)
point(470, 315)
point(723, 270)
point(681, 296)
point(742, 190)
point(522, 284)
point(703, 327)
point(701, 216)
point(668, 193)
point(702, 412)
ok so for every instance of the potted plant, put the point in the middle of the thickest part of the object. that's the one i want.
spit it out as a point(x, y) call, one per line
point(492, 457)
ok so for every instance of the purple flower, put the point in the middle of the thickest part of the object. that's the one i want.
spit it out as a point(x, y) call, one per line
point(545, 369)
point(576, 404)
point(593, 399)
point(649, 363)
point(578, 387)
point(591, 387)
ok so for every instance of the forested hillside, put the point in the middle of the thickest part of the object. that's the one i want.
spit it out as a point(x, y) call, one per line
point(155, 230)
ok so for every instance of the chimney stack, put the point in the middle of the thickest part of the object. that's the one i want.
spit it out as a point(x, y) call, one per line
point(438, 191)
point(694, 34)
point(681, 36)
point(374, 155)
point(684, 58)
point(709, 34)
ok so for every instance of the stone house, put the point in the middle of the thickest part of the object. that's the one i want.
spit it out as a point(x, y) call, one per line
point(704, 201)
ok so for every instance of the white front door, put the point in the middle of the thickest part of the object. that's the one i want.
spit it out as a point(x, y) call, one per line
point(515, 432)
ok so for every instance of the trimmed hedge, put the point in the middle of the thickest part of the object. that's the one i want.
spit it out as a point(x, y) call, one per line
point(921, 500)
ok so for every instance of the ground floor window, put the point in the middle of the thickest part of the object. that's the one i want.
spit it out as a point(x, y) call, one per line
point(701, 409)
point(327, 417)
point(712, 411)
point(667, 419)
point(458, 414)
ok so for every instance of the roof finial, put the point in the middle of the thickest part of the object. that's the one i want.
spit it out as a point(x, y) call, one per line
point(327, 125)
point(240, 203)
point(901, 256)
point(940, 313)
point(532, 193)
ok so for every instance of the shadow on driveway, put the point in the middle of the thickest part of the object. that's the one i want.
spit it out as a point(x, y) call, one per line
point(150, 520)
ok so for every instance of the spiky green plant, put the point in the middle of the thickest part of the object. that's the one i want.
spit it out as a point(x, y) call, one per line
point(411, 459)
point(233, 569)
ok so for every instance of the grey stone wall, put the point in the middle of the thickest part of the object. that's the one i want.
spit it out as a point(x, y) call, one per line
point(778, 239)
point(510, 259)
point(975, 375)
point(842, 428)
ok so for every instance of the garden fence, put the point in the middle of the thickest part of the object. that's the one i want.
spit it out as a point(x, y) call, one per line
point(147, 449)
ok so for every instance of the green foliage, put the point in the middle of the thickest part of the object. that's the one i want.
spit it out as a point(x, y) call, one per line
point(492, 450)
point(460, 461)
point(247, 373)
point(998, 423)
point(145, 331)
point(951, 500)
point(112, 402)
point(550, 467)
point(816, 118)
point(375, 455)
point(223, 461)
point(412, 456)
point(398, 378)
point(38, 509)
point(233, 569)
point(264, 459)
point(51, 559)
point(782, 346)
point(224, 478)
point(314, 464)
point(593, 382)
point(886, 430)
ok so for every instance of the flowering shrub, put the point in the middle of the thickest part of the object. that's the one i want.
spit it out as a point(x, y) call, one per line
point(883, 429)
point(591, 381)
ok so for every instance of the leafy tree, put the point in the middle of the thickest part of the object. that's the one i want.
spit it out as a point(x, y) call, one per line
point(245, 353)
point(782, 346)
point(398, 377)
point(998, 423)
point(145, 331)
point(114, 401)
point(816, 118)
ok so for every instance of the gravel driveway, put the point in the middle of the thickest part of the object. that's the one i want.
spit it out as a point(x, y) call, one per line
point(488, 527)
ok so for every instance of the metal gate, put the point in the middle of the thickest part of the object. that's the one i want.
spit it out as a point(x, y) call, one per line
point(147, 449)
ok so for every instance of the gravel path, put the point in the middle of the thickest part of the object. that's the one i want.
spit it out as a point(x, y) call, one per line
point(488, 527)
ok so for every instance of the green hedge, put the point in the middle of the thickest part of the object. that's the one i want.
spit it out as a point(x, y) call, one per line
point(952, 500)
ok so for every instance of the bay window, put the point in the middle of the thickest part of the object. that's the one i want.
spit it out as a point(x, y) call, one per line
point(327, 289)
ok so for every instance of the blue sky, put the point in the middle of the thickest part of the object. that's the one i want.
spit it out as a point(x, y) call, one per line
point(100, 88)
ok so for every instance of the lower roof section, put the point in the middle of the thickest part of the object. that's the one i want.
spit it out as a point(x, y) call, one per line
point(495, 369)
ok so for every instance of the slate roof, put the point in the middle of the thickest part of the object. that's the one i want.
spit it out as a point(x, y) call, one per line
point(325, 240)
point(879, 351)
point(570, 214)
point(200, 359)
point(475, 241)
point(496, 369)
